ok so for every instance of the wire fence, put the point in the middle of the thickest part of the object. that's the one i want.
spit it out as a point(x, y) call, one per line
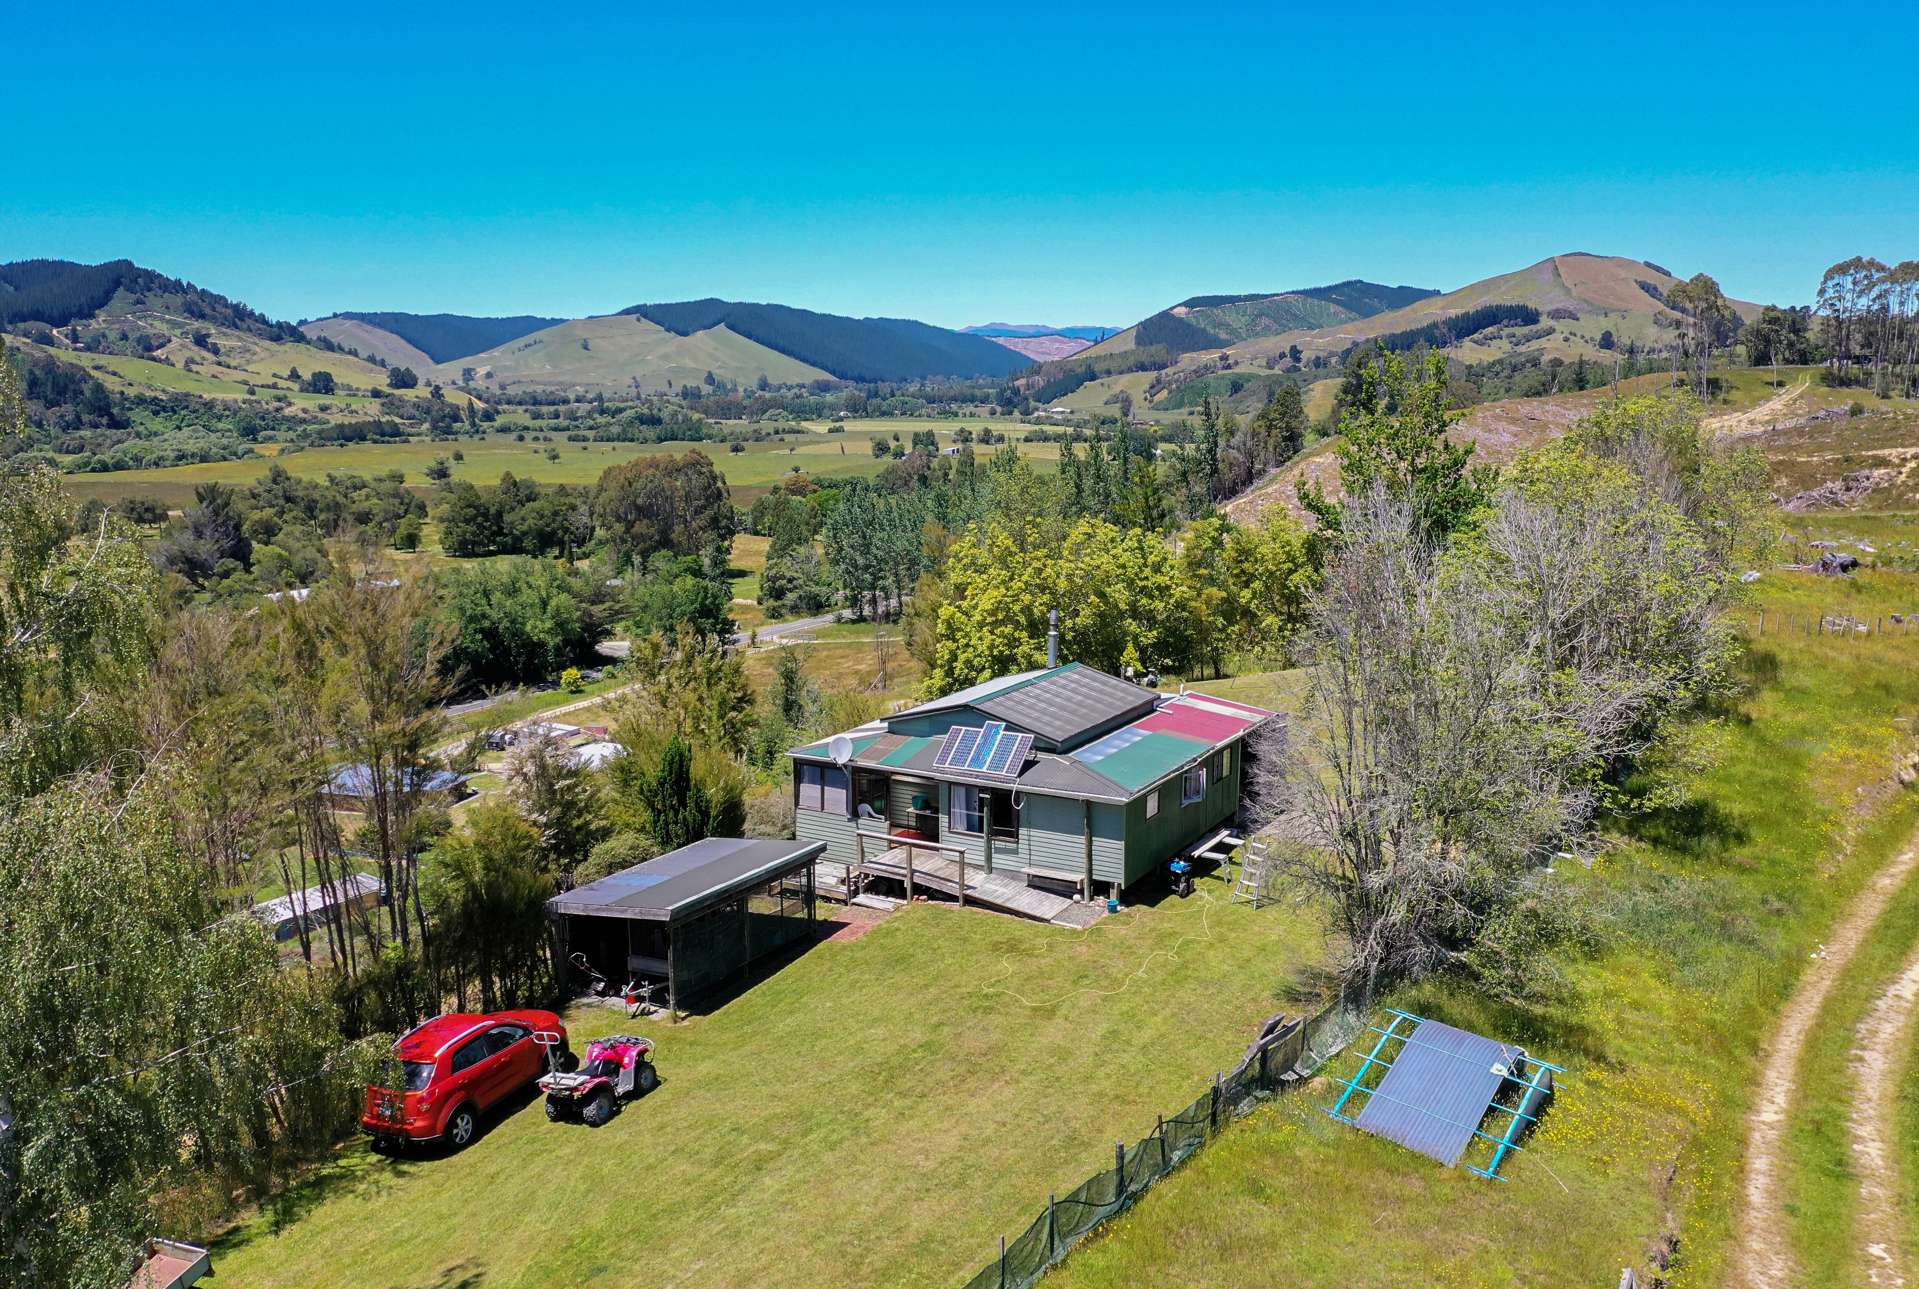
point(1829, 622)
point(1287, 1053)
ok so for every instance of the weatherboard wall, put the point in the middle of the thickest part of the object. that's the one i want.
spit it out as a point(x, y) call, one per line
point(1052, 836)
point(1152, 842)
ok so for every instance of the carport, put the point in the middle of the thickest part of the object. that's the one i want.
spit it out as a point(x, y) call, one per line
point(695, 917)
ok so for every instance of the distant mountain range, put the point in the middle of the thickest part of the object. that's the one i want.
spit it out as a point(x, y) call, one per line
point(649, 348)
point(1040, 342)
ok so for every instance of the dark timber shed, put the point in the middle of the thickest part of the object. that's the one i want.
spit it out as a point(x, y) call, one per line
point(694, 917)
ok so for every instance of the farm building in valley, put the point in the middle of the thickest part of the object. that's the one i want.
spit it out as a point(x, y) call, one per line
point(352, 786)
point(282, 916)
point(1066, 775)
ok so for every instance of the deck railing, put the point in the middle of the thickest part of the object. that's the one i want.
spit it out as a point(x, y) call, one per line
point(909, 844)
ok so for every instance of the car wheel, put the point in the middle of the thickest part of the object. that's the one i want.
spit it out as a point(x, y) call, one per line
point(553, 1110)
point(649, 1078)
point(599, 1109)
point(462, 1127)
point(569, 1061)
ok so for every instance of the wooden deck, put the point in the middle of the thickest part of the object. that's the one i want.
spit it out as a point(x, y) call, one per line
point(1003, 892)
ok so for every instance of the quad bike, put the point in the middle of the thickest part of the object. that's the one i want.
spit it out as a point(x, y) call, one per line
point(615, 1069)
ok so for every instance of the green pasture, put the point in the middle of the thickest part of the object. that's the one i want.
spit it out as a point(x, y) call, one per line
point(748, 473)
point(1704, 911)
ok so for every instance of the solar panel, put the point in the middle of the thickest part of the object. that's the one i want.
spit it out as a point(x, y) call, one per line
point(988, 740)
point(956, 747)
point(991, 752)
point(1007, 756)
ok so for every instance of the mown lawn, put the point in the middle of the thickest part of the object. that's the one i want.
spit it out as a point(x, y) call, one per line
point(1707, 911)
point(878, 1112)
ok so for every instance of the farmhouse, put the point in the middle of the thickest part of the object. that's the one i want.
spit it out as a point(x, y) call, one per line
point(283, 916)
point(1066, 775)
point(352, 786)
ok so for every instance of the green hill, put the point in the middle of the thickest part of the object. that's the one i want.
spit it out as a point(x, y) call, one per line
point(1580, 297)
point(850, 348)
point(139, 332)
point(376, 344)
point(438, 337)
point(60, 293)
point(1219, 321)
point(622, 353)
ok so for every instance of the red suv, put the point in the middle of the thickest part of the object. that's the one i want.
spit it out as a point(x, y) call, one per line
point(450, 1070)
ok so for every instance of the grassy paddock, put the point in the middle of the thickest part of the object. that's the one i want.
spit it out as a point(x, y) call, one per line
point(877, 1112)
point(748, 474)
point(1707, 912)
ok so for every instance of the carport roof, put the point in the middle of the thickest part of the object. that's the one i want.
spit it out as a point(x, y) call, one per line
point(686, 881)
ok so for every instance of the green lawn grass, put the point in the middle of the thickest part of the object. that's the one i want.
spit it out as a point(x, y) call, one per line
point(877, 1112)
point(1709, 910)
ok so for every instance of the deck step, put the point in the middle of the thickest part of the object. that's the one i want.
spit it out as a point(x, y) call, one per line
point(1005, 892)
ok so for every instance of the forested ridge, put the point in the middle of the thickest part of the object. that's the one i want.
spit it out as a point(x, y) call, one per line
point(1458, 327)
point(872, 349)
point(58, 292)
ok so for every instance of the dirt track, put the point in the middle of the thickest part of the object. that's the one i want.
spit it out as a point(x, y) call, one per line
point(1764, 1257)
point(1876, 1066)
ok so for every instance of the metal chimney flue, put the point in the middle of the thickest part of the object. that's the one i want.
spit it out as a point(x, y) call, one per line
point(1052, 637)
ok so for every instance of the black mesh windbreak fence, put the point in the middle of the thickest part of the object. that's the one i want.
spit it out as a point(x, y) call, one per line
point(1286, 1055)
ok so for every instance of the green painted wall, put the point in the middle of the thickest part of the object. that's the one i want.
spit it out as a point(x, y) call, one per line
point(1151, 842)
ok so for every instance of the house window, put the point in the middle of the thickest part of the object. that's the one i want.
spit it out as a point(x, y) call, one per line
point(963, 813)
point(1193, 786)
point(872, 797)
point(1225, 761)
point(822, 787)
point(1152, 803)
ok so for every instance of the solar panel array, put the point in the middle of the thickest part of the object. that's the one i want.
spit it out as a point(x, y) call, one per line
point(991, 752)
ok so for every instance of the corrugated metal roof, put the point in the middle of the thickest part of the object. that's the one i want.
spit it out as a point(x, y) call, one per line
point(1146, 757)
point(1437, 1091)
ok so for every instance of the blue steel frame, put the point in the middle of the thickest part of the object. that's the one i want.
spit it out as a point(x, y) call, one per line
point(1504, 1144)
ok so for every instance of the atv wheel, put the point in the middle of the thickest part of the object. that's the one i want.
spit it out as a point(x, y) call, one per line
point(553, 1110)
point(462, 1127)
point(649, 1078)
point(599, 1109)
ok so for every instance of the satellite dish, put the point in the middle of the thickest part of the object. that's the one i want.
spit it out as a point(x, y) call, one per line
point(840, 748)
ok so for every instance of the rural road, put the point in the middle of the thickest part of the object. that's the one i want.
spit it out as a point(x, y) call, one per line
point(776, 631)
point(1764, 1256)
point(772, 633)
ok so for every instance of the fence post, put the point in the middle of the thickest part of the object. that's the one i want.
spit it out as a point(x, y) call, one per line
point(1265, 1068)
point(1159, 1130)
point(1052, 1229)
point(1119, 1170)
point(1002, 1262)
point(1214, 1115)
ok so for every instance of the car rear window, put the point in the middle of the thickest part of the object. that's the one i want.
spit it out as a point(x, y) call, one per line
point(415, 1075)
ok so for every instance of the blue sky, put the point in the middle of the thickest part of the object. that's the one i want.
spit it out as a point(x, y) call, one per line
point(985, 163)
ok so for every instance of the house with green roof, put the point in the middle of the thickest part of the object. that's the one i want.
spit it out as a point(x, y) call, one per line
point(1067, 775)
